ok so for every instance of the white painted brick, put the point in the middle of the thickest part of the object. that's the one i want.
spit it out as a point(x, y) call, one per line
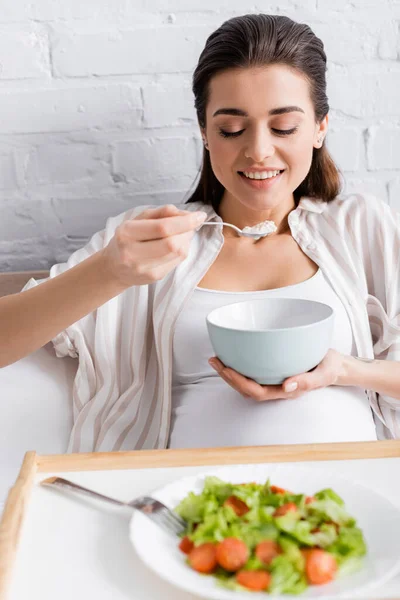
point(16, 10)
point(24, 52)
point(366, 185)
point(152, 162)
point(26, 254)
point(60, 163)
point(346, 43)
point(166, 105)
point(21, 219)
point(383, 148)
point(394, 194)
point(108, 106)
point(81, 217)
point(345, 146)
point(389, 42)
point(227, 5)
point(7, 171)
point(364, 94)
point(158, 50)
point(52, 10)
point(326, 5)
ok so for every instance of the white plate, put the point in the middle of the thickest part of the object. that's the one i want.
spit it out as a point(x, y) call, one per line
point(378, 518)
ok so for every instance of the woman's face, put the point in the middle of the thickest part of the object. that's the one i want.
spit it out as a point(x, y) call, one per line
point(261, 120)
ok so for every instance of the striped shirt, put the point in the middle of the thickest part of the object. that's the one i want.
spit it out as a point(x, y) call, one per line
point(122, 390)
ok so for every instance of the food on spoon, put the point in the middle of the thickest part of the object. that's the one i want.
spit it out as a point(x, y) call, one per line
point(264, 228)
point(262, 537)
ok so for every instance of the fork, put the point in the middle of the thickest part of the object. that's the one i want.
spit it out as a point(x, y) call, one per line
point(152, 508)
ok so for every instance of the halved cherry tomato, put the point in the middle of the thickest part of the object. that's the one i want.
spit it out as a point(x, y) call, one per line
point(186, 545)
point(232, 554)
point(238, 505)
point(320, 566)
point(254, 580)
point(203, 558)
point(285, 508)
point(267, 550)
point(277, 490)
point(310, 499)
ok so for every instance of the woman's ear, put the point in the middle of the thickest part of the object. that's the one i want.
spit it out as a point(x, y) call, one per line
point(204, 137)
point(320, 132)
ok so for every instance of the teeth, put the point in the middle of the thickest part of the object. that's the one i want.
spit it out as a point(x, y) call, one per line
point(261, 174)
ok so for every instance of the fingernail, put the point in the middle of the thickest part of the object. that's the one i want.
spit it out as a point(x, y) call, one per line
point(201, 216)
point(212, 363)
point(290, 387)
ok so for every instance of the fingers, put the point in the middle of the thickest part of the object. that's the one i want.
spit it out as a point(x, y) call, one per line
point(168, 248)
point(248, 387)
point(324, 375)
point(167, 210)
point(163, 222)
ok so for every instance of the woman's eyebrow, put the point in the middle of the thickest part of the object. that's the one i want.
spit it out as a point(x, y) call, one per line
point(237, 112)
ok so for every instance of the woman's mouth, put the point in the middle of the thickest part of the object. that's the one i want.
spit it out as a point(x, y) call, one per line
point(260, 180)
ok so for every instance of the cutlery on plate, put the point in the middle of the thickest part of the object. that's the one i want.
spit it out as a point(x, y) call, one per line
point(152, 508)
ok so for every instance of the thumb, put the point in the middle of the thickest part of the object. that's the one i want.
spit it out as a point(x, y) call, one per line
point(305, 381)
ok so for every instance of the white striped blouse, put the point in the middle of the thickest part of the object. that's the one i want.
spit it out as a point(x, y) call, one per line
point(122, 390)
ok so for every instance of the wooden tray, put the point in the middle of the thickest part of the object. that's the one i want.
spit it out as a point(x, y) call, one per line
point(33, 464)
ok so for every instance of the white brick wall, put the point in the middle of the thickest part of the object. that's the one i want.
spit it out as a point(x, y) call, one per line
point(96, 110)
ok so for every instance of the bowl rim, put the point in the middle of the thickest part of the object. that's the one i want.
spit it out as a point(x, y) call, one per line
point(275, 298)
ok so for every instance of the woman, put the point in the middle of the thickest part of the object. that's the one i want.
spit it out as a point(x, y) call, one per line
point(147, 281)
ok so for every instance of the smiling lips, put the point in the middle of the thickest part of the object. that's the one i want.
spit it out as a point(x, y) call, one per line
point(261, 174)
point(261, 180)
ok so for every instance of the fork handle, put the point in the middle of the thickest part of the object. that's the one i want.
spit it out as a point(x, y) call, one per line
point(65, 484)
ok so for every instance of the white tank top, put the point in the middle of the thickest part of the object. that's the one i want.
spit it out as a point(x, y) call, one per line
point(206, 412)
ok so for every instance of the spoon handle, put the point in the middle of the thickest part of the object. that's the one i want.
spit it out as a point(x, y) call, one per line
point(225, 225)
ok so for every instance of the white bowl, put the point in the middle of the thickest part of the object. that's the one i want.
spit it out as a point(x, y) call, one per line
point(271, 339)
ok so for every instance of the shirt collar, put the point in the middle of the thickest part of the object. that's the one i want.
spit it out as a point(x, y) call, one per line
point(312, 205)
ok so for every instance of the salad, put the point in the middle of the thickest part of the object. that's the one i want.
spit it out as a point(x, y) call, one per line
point(261, 537)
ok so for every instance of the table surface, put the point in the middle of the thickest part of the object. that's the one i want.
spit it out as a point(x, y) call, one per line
point(72, 546)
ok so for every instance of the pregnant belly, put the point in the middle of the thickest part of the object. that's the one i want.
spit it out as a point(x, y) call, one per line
point(211, 414)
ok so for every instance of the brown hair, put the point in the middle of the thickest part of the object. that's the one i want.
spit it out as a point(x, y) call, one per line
point(258, 40)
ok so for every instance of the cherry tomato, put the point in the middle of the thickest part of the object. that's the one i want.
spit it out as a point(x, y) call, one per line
point(232, 554)
point(238, 505)
point(320, 566)
point(186, 545)
point(203, 558)
point(267, 550)
point(254, 580)
point(282, 510)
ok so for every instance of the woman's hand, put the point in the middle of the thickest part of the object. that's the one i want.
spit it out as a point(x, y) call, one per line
point(329, 372)
point(148, 247)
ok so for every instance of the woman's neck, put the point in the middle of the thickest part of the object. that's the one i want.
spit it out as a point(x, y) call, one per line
point(234, 212)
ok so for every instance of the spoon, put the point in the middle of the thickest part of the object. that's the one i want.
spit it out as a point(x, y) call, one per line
point(250, 234)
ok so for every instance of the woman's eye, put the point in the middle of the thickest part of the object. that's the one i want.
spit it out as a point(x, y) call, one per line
point(285, 131)
point(227, 134)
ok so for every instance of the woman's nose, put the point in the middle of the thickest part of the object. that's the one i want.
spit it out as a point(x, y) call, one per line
point(260, 147)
